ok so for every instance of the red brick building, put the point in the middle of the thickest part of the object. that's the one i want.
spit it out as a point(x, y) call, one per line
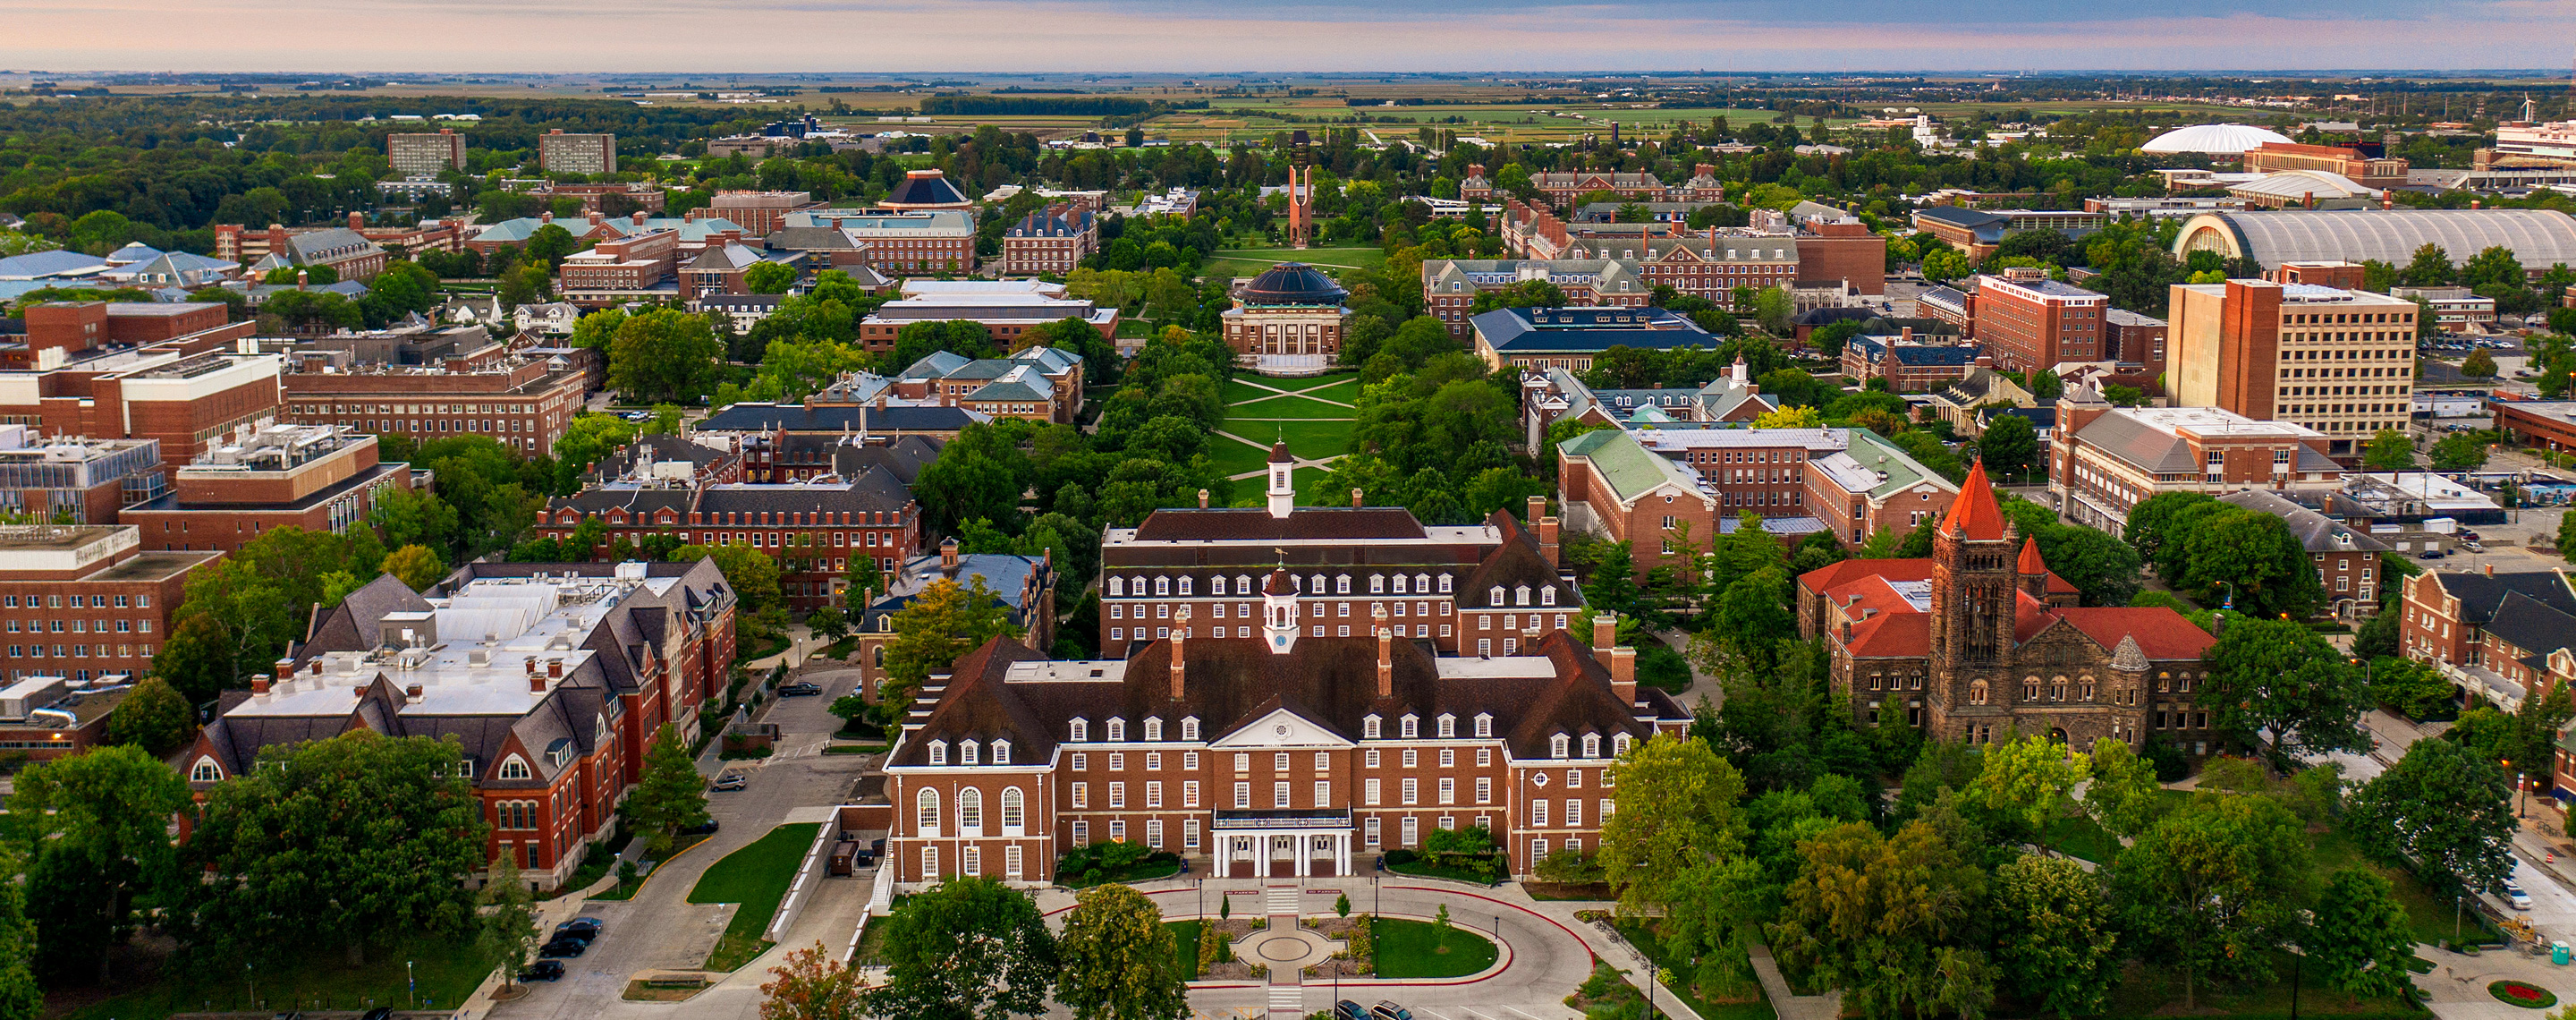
point(1658, 488)
point(1910, 365)
point(812, 528)
point(1052, 240)
point(2448, 614)
point(1288, 755)
point(524, 402)
point(2029, 322)
point(85, 602)
point(555, 709)
point(2347, 560)
point(618, 268)
point(344, 250)
point(321, 478)
point(183, 391)
point(2105, 460)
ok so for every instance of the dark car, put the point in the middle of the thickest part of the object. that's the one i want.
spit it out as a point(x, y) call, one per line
point(1389, 1011)
point(563, 948)
point(1348, 1010)
point(707, 829)
point(378, 1013)
point(583, 928)
point(799, 689)
point(543, 970)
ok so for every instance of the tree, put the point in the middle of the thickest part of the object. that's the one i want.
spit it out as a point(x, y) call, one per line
point(20, 997)
point(2056, 943)
point(2208, 889)
point(812, 985)
point(2252, 558)
point(944, 621)
point(1789, 418)
point(417, 566)
point(2390, 450)
point(2478, 365)
point(769, 278)
point(967, 949)
point(2443, 810)
point(99, 823)
point(2160, 528)
point(2124, 797)
point(1118, 960)
point(2361, 938)
point(2431, 267)
point(2010, 446)
point(1678, 843)
point(2460, 451)
point(752, 573)
point(671, 796)
point(664, 354)
point(509, 923)
point(2277, 678)
point(153, 717)
point(2026, 779)
point(287, 866)
point(1885, 918)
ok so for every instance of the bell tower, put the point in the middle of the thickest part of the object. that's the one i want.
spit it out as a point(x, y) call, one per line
point(1283, 490)
point(1279, 611)
point(1974, 581)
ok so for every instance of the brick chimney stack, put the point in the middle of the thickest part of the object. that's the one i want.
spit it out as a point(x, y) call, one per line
point(554, 669)
point(1547, 545)
point(1355, 499)
point(1605, 632)
point(357, 221)
point(1180, 660)
point(1385, 662)
point(1623, 674)
point(1203, 499)
point(948, 555)
point(536, 680)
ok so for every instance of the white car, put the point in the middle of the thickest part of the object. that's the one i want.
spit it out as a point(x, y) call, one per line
point(2514, 895)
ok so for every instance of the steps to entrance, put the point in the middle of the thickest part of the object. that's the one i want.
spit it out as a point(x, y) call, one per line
point(1287, 1002)
point(1283, 900)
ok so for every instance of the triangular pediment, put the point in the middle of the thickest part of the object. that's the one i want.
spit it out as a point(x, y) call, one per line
point(1280, 728)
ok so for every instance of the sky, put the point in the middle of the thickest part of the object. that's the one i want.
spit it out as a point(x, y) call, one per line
point(1200, 36)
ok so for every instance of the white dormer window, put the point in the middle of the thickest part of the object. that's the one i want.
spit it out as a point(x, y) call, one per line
point(1153, 728)
point(1547, 595)
point(1592, 745)
point(1117, 729)
point(1317, 585)
point(1185, 586)
point(1484, 724)
point(1412, 725)
point(1162, 586)
point(1081, 730)
point(1619, 745)
point(1557, 746)
point(1520, 595)
point(1399, 584)
point(1342, 584)
point(1117, 587)
point(514, 768)
point(205, 771)
point(1448, 725)
point(939, 752)
point(1444, 584)
point(1495, 596)
point(1422, 584)
point(1190, 728)
point(1242, 584)
point(1369, 727)
point(1001, 752)
point(1216, 586)
point(1377, 584)
point(966, 753)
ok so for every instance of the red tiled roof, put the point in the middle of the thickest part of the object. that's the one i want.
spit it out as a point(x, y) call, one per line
point(1828, 578)
point(1974, 515)
point(2163, 635)
point(2030, 616)
point(2031, 561)
point(1898, 636)
point(1869, 596)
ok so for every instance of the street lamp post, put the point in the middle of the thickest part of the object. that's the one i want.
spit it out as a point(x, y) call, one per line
point(411, 984)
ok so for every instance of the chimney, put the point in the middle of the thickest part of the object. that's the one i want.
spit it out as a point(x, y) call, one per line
point(554, 669)
point(412, 693)
point(1355, 499)
point(2476, 204)
point(1905, 335)
point(1385, 663)
point(948, 554)
point(639, 217)
point(285, 669)
point(2386, 203)
point(1537, 509)
point(536, 681)
point(1605, 632)
point(596, 217)
point(1547, 540)
point(1623, 674)
point(1203, 497)
point(300, 278)
point(532, 666)
point(547, 216)
point(313, 668)
point(357, 221)
point(259, 685)
point(1180, 661)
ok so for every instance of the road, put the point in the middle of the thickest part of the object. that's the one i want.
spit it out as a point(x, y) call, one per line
point(659, 928)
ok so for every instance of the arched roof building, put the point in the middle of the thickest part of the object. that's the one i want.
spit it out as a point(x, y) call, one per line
point(2537, 237)
point(2213, 139)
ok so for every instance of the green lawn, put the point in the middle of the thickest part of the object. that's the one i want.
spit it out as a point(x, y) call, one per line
point(1292, 408)
point(1412, 949)
point(2082, 837)
point(1310, 439)
point(1341, 386)
point(2429, 912)
point(1252, 261)
point(1185, 947)
point(1233, 458)
point(1638, 935)
point(756, 877)
point(2146, 991)
point(447, 969)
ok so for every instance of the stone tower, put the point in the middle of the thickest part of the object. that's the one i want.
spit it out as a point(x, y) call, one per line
point(1974, 579)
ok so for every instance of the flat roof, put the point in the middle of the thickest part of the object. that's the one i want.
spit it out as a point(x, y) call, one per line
point(153, 566)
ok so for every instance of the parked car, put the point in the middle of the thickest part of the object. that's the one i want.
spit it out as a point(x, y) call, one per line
point(583, 928)
point(378, 1013)
point(562, 949)
point(2514, 895)
point(1348, 1010)
point(730, 782)
point(543, 970)
point(707, 829)
point(799, 689)
point(1389, 1011)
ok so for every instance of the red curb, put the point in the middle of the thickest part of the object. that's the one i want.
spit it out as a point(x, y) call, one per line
point(1560, 925)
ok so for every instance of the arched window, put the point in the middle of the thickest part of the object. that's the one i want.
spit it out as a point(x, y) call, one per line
point(1557, 746)
point(1136, 586)
point(1977, 692)
point(1520, 595)
point(1153, 728)
point(929, 806)
point(1117, 587)
point(1242, 584)
point(970, 809)
point(514, 768)
point(1369, 727)
point(1316, 584)
point(1001, 752)
point(206, 771)
point(1190, 728)
point(1484, 724)
point(1012, 816)
point(1081, 730)
point(966, 753)
point(1619, 744)
point(1185, 586)
point(939, 752)
point(1342, 584)
point(1444, 584)
point(1117, 729)
point(1412, 726)
point(1216, 586)
point(1592, 745)
point(1448, 725)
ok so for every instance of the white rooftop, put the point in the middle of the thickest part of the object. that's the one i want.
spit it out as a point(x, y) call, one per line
point(2212, 421)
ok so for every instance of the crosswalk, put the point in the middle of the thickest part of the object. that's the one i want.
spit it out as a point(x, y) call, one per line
point(1282, 899)
point(1287, 1001)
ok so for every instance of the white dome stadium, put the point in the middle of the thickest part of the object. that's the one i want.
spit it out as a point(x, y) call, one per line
point(2213, 139)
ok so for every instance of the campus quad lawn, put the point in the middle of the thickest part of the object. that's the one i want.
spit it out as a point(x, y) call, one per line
point(1310, 439)
point(2155, 991)
point(1410, 949)
point(1339, 386)
point(756, 877)
point(448, 971)
point(1231, 458)
point(1298, 408)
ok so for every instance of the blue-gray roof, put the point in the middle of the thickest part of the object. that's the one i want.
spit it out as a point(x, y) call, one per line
point(799, 418)
point(47, 263)
point(1532, 330)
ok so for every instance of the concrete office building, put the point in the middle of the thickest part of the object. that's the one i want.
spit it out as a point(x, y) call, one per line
point(425, 154)
point(2341, 362)
point(558, 152)
point(2028, 322)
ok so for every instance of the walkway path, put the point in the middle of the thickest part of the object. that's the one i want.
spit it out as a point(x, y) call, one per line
point(1788, 1004)
point(1319, 463)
